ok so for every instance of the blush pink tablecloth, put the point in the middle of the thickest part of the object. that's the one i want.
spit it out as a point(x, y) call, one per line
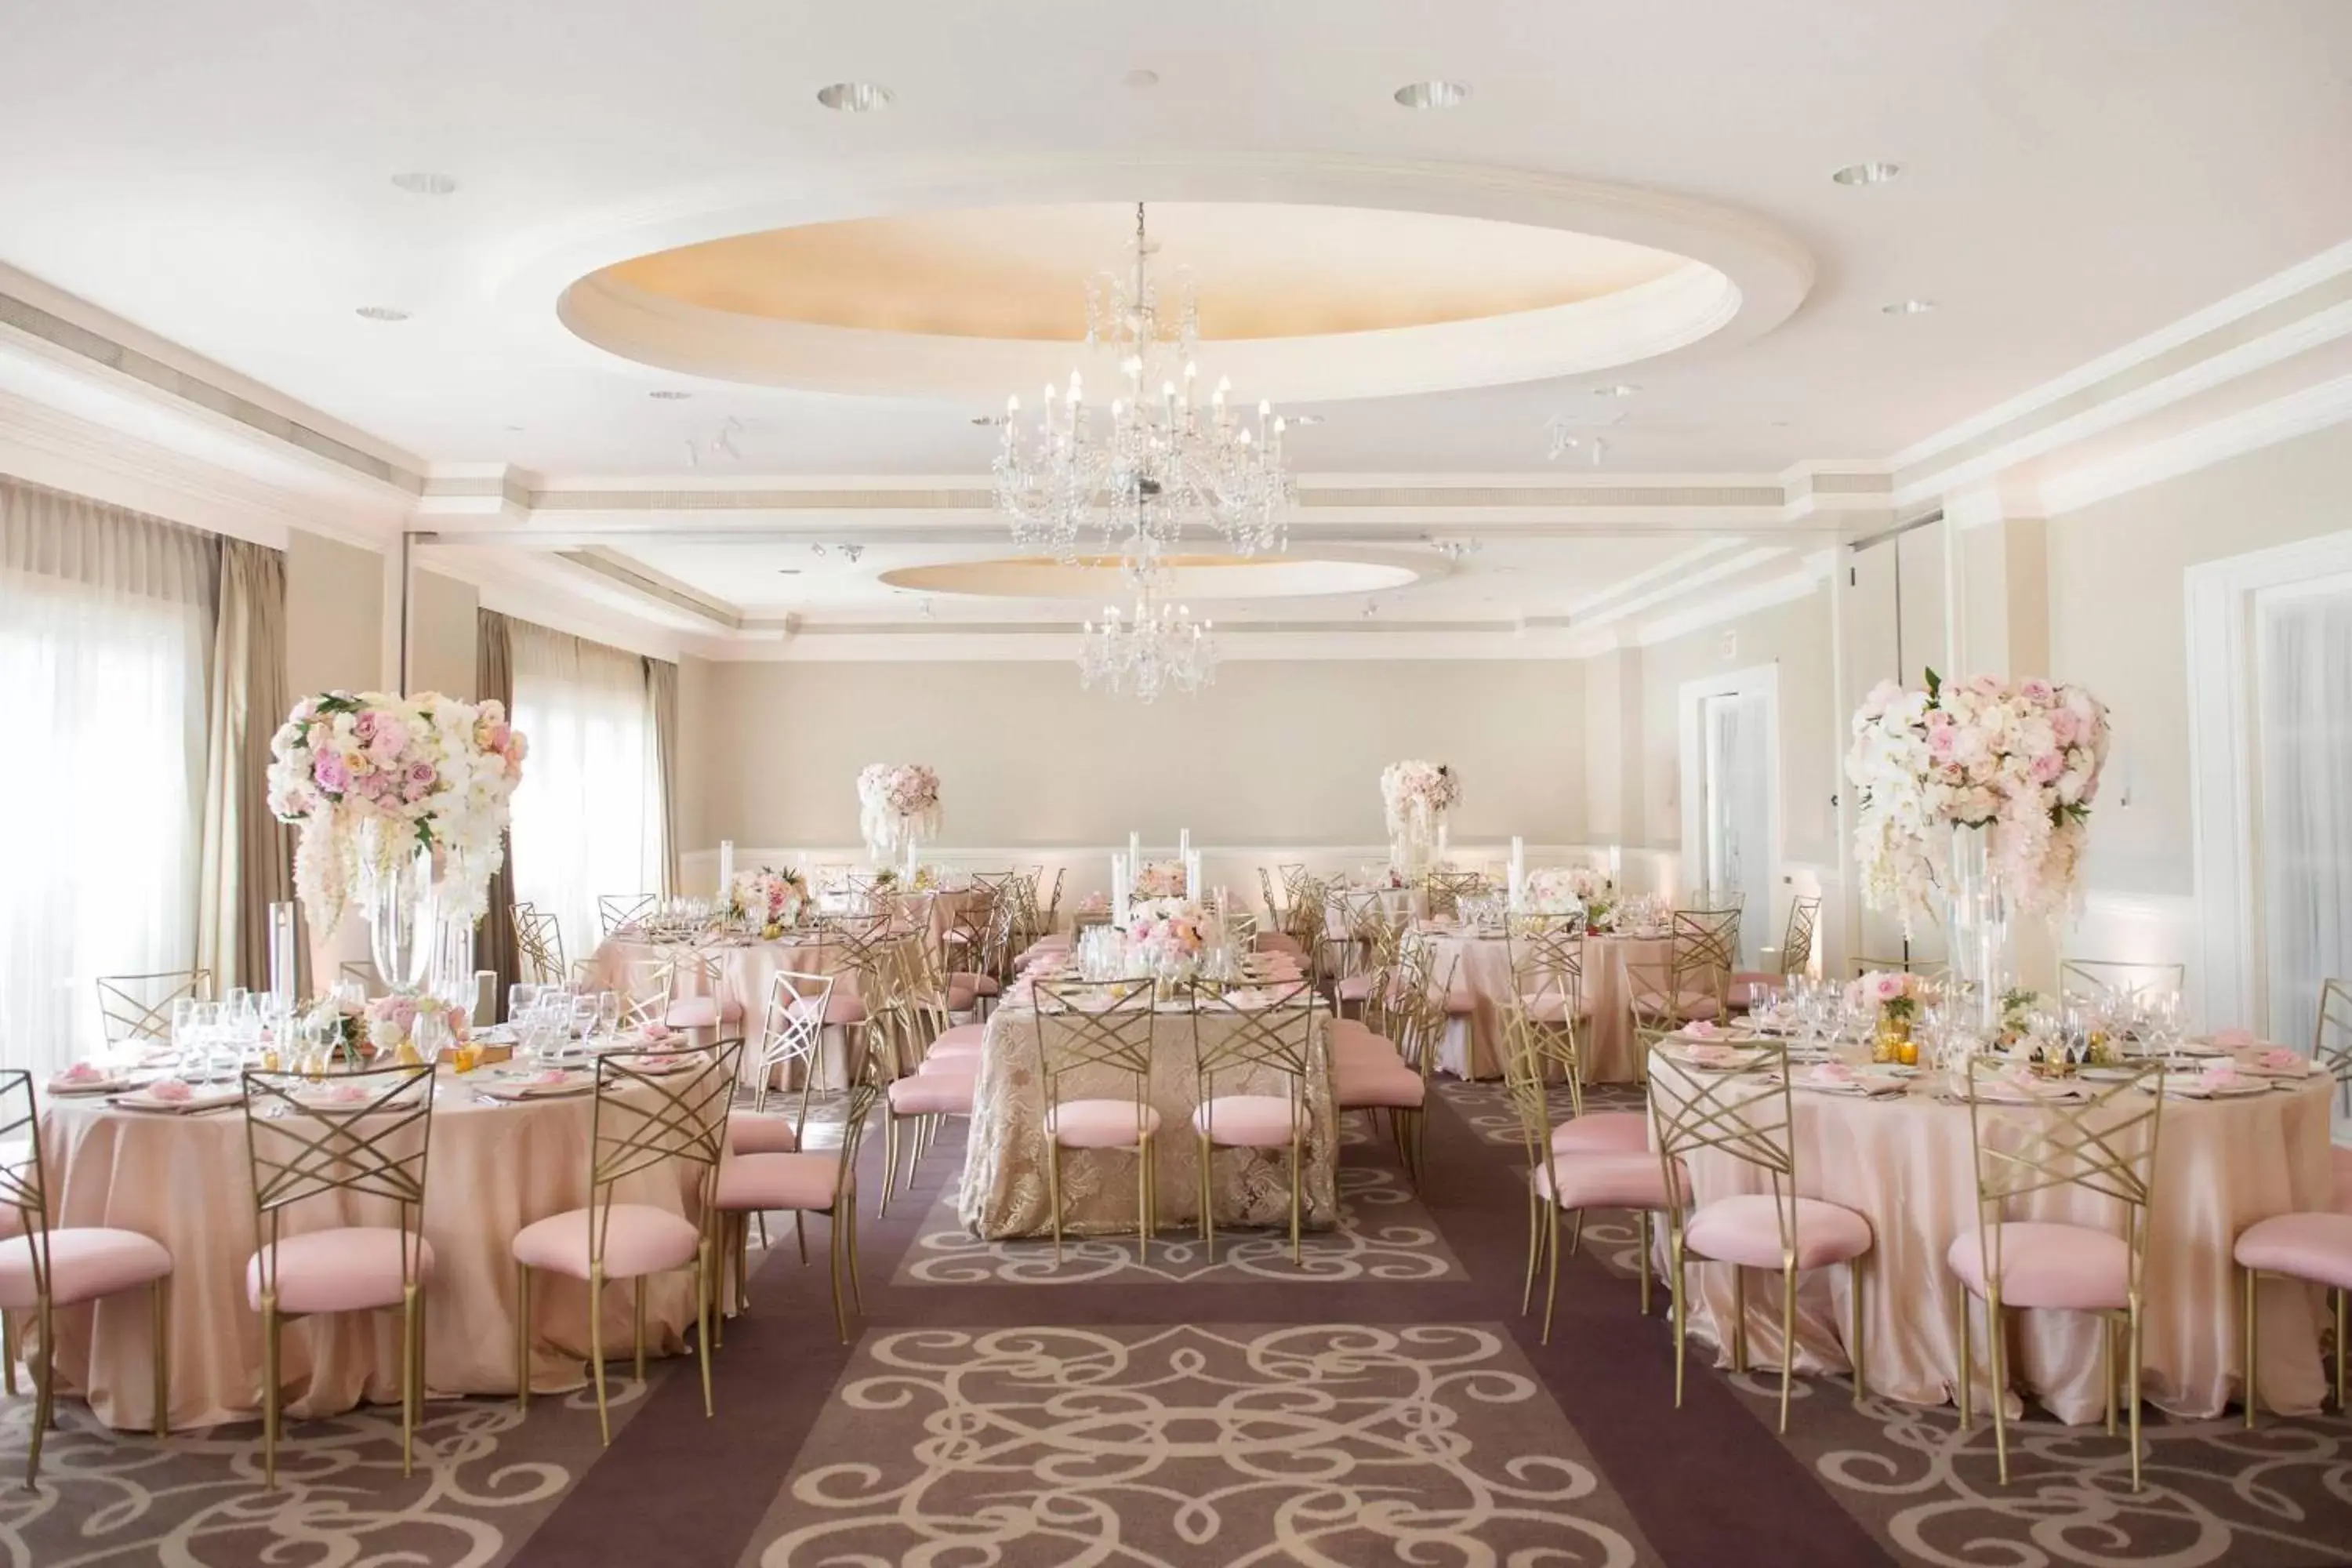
point(1907, 1165)
point(1473, 1048)
point(185, 1180)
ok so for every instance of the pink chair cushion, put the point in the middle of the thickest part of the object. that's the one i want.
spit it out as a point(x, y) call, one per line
point(2044, 1264)
point(1745, 1230)
point(1694, 1004)
point(782, 1179)
point(986, 985)
point(750, 1132)
point(2343, 1179)
point(946, 1091)
point(1603, 1181)
point(964, 1060)
point(1460, 1002)
point(703, 1012)
point(85, 1263)
point(845, 1005)
point(1246, 1120)
point(1099, 1123)
point(1603, 1133)
point(1354, 1088)
point(1751, 986)
point(638, 1239)
point(2315, 1246)
point(1355, 987)
point(962, 1036)
point(350, 1268)
point(1280, 942)
point(962, 997)
point(1363, 1050)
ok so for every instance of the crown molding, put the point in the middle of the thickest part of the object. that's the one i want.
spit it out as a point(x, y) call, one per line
point(2281, 419)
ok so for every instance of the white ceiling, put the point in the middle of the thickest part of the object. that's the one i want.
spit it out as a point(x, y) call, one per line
point(2076, 176)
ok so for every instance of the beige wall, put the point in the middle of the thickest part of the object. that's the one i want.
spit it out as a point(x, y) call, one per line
point(2119, 625)
point(1273, 753)
point(334, 615)
point(1793, 636)
point(442, 632)
point(697, 732)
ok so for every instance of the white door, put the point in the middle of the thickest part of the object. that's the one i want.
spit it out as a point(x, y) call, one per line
point(1735, 809)
point(2302, 903)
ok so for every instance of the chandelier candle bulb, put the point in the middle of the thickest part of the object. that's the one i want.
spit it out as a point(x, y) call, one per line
point(1134, 848)
point(726, 867)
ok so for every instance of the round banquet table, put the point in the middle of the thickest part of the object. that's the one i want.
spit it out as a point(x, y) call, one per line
point(186, 1179)
point(1473, 1048)
point(1908, 1166)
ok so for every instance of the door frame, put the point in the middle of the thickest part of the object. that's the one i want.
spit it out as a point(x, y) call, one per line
point(1757, 681)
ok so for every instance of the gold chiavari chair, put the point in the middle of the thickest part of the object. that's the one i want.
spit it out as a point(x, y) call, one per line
point(1547, 954)
point(1418, 1022)
point(1369, 951)
point(971, 948)
point(139, 1006)
point(539, 947)
point(913, 1016)
point(791, 1027)
point(1574, 1180)
point(2105, 983)
point(2331, 1047)
point(1747, 1116)
point(1080, 1042)
point(1703, 952)
point(643, 1119)
point(614, 911)
point(807, 1181)
point(2103, 1143)
point(43, 1268)
point(1794, 958)
point(1309, 897)
point(1442, 891)
point(1050, 920)
point(1272, 1040)
point(356, 1137)
point(1275, 906)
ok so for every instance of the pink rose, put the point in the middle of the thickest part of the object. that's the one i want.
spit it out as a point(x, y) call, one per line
point(2064, 727)
point(2037, 690)
point(2048, 766)
point(330, 774)
point(1889, 986)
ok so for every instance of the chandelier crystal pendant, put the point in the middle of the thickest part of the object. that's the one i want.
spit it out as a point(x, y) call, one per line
point(1157, 647)
point(1157, 460)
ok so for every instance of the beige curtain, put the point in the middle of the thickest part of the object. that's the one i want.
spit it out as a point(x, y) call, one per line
point(494, 681)
point(661, 687)
point(247, 861)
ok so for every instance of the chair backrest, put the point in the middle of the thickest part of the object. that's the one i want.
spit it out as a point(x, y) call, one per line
point(1744, 1115)
point(2105, 983)
point(614, 911)
point(1274, 905)
point(969, 921)
point(1647, 984)
point(644, 1117)
point(1053, 913)
point(1547, 984)
point(1442, 891)
point(24, 1185)
point(791, 1023)
point(1797, 945)
point(914, 1001)
point(139, 1006)
point(2103, 1141)
point(1704, 950)
point(865, 1086)
point(1525, 1070)
point(1077, 1033)
point(1419, 1027)
point(2331, 1039)
point(1277, 1037)
point(365, 1135)
point(538, 945)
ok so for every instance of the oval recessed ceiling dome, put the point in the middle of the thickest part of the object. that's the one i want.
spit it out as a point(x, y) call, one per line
point(1260, 269)
point(1201, 577)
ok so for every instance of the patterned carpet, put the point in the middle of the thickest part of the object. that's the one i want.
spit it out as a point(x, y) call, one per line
point(1384, 1404)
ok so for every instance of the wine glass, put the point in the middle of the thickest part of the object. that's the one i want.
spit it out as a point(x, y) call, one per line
point(608, 1015)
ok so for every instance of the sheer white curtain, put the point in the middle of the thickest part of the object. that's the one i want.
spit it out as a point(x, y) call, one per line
point(588, 812)
point(106, 634)
point(2304, 664)
point(1739, 811)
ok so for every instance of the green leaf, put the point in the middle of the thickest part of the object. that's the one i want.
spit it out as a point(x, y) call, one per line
point(1935, 684)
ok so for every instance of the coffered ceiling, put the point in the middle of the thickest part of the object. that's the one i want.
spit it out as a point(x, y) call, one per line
point(1618, 278)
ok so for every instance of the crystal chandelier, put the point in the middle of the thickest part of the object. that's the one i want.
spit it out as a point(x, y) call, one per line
point(1159, 645)
point(1138, 473)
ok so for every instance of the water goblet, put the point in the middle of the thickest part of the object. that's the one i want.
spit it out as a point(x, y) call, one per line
point(608, 1014)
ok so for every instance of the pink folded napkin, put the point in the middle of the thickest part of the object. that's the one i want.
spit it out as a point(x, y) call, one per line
point(2272, 1059)
point(337, 1094)
point(550, 1076)
point(1830, 1072)
point(1709, 1056)
point(171, 1090)
point(80, 1073)
point(1702, 1030)
point(2218, 1076)
point(656, 1031)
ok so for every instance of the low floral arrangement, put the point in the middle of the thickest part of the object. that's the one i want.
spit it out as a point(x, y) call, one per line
point(2019, 758)
point(1416, 796)
point(1160, 879)
point(392, 1020)
point(1894, 994)
point(769, 899)
point(1551, 891)
point(427, 771)
point(1166, 930)
point(341, 1018)
point(897, 802)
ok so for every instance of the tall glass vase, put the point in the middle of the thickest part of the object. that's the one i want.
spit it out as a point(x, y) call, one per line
point(908, 837)
point(399, 902)
point(1976, 923)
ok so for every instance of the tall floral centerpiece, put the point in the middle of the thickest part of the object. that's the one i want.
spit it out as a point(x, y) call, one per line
point(898, 807)
point(1415, 796)
point(403, 803)
point(1975, 802)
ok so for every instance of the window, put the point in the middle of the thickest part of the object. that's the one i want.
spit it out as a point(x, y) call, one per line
point(106, 634)
point(588, 812)
point(2303, 662)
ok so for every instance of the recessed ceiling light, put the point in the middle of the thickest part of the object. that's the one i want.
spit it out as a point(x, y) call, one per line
point(1867, 174)
point(788, 571)
point(1433, 94)
point(382, 313)
point(855, 97)
point(670, 394)
point(1140, 77)
point(1615, 389)
point(425, 183)
point(1909, 307)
